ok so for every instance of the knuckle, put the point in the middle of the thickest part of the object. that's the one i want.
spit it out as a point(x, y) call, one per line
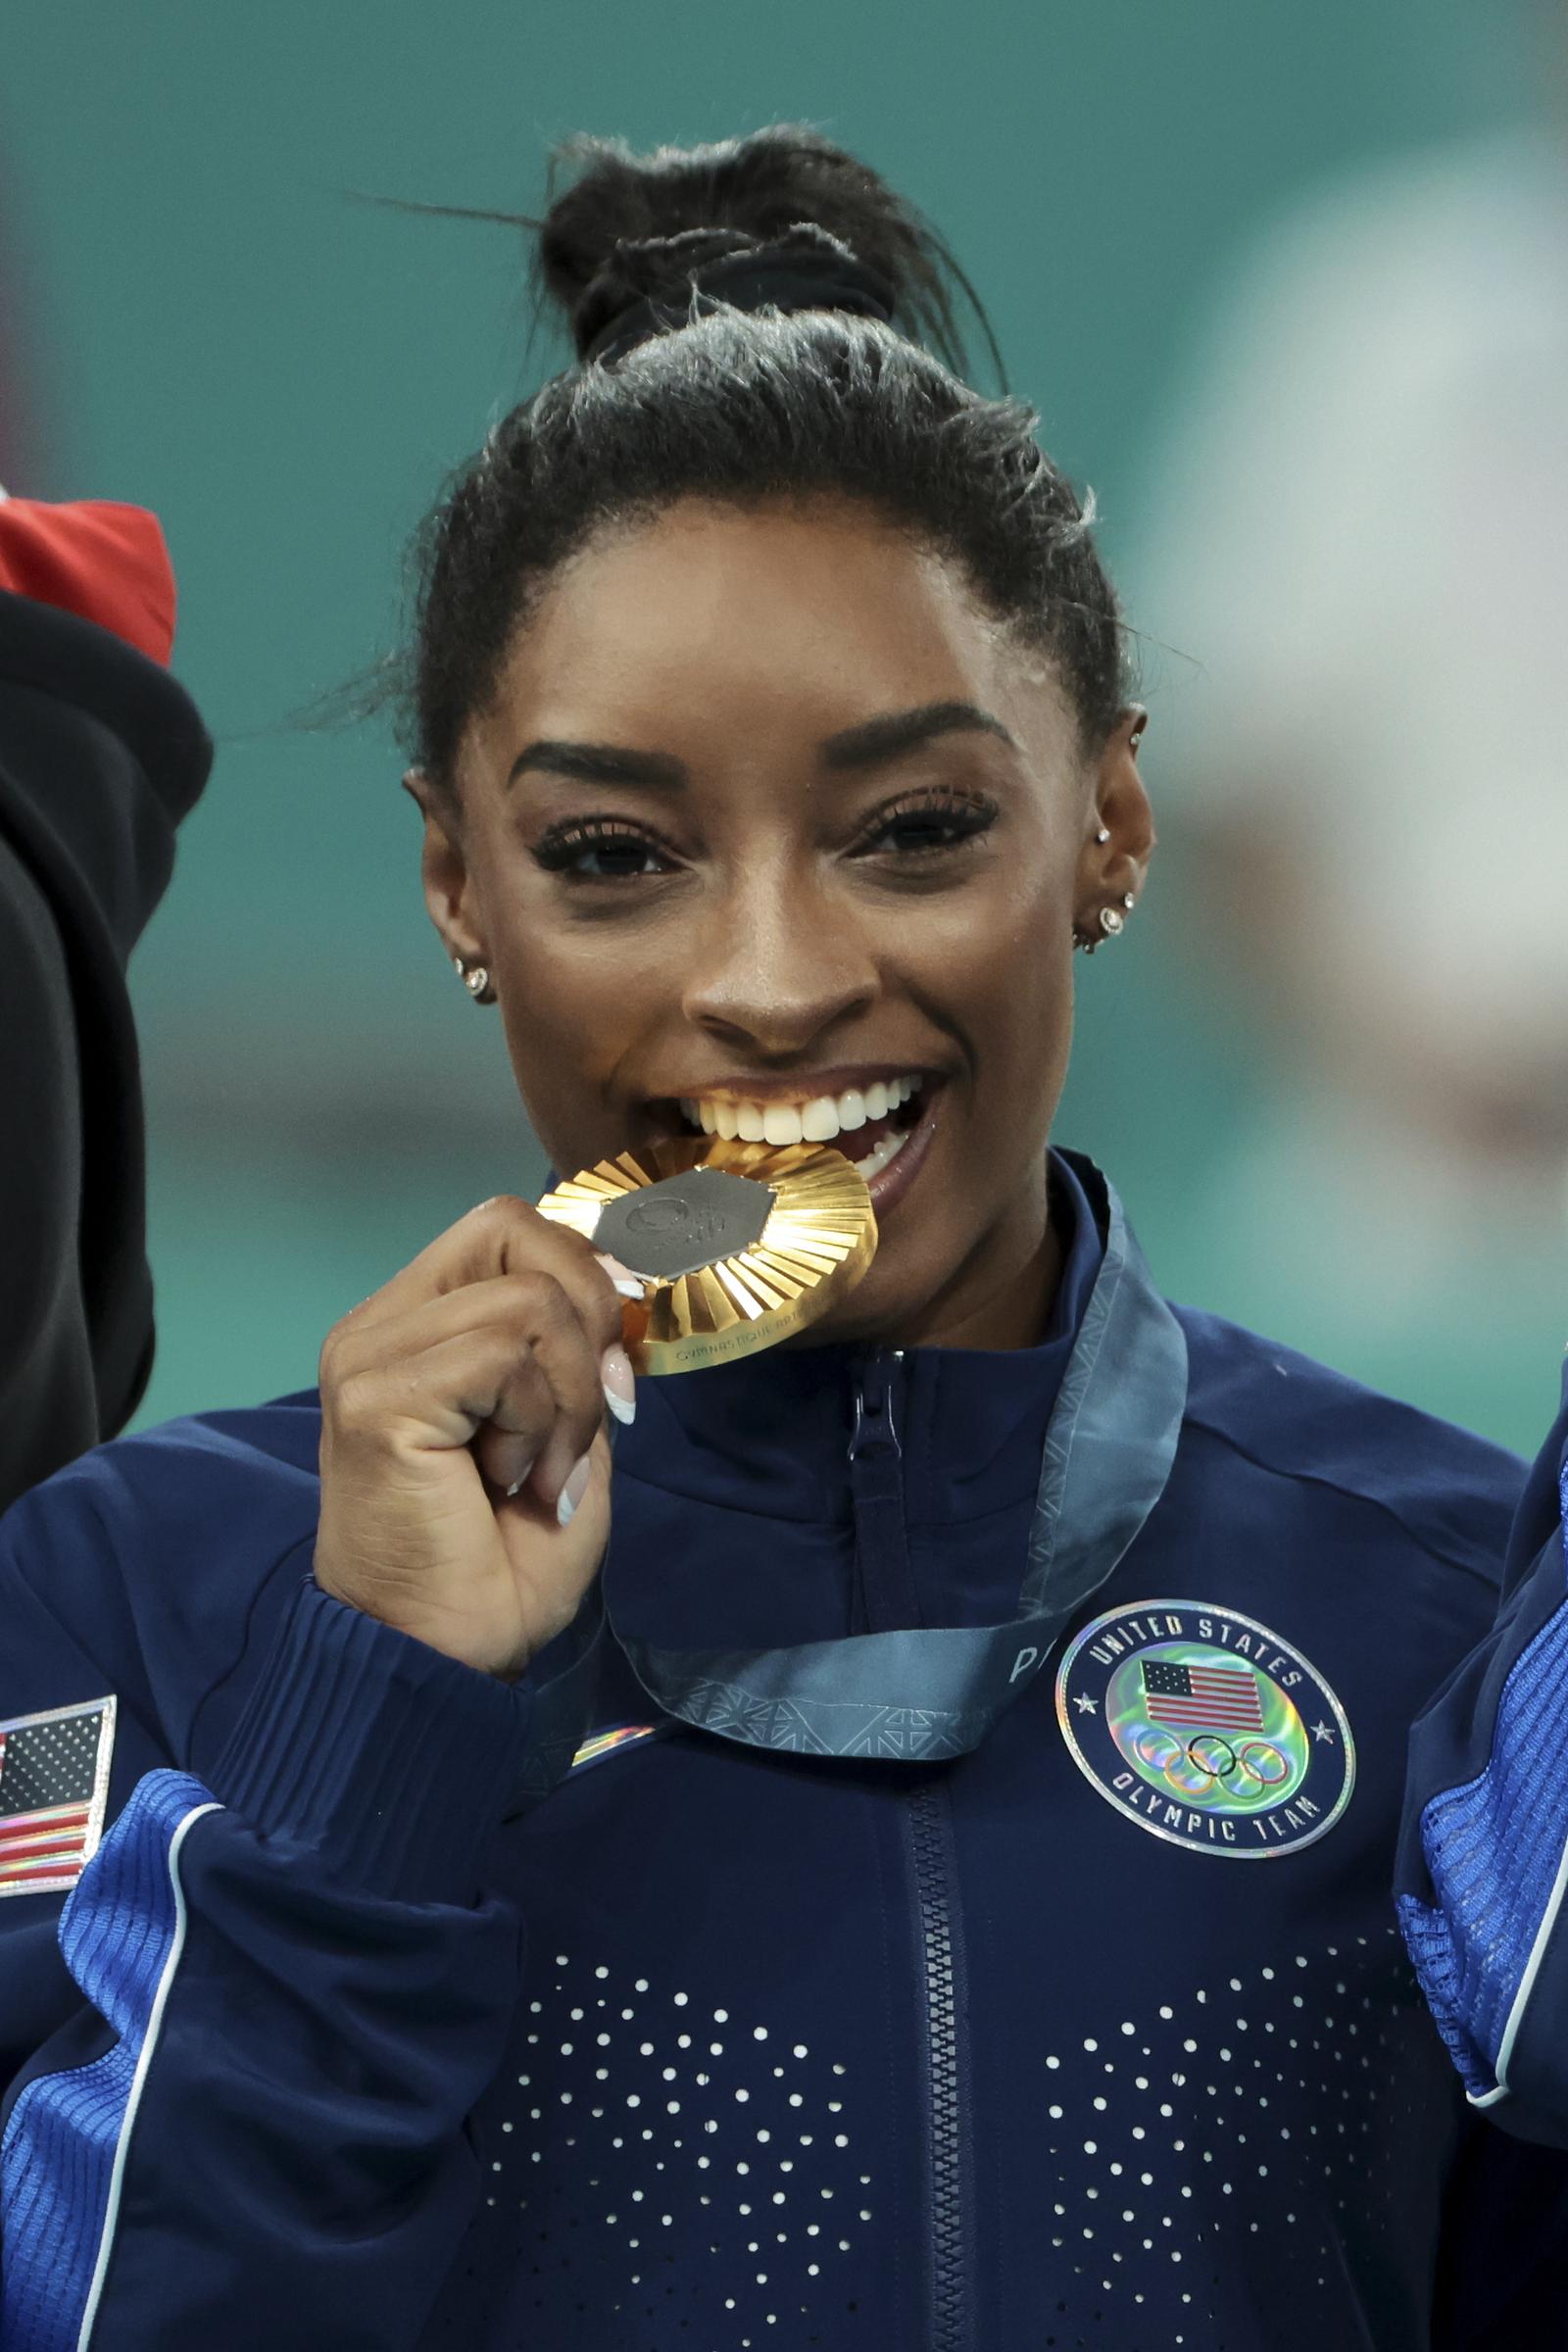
point(503, 1212)
point(356, 1400)
point(536, 1299)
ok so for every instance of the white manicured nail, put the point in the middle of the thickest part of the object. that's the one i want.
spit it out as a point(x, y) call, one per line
point(572, 1492)
point(619, 1385)
point(629, 1285)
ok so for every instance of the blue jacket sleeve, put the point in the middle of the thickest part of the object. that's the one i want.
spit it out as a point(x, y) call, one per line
point(1483, 1866)
point(240, 2075)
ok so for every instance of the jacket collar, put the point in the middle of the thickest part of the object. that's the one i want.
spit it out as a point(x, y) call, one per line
point(770, 1434)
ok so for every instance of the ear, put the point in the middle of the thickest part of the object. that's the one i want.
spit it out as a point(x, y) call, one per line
point(1120, 804)
point(444, 871)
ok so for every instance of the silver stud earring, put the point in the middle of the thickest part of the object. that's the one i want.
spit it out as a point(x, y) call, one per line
point(1103, 834)
point(1128, 900)
point(1111, 922)
point(475, 979)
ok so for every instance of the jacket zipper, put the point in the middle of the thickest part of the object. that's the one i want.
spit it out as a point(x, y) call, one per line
point(885, 1594)
point(931, 1848)
point(887, 1597)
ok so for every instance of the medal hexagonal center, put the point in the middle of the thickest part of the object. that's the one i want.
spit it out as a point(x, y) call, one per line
point(684, 1222)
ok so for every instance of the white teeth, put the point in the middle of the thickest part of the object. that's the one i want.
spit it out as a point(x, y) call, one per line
point(818, 1121)
point(781, 1123)
point(888, 1148)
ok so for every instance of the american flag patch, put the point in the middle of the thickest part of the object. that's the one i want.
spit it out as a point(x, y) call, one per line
point(54, 1786)
point(1221, 1698)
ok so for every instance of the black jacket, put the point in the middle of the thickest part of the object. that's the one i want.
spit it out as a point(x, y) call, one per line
point(101, 754)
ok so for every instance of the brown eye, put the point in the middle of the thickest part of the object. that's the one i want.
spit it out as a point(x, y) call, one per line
point(931, 822)
point(594, 850)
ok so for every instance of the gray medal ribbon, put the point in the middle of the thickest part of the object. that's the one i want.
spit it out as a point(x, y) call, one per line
point(921, 1696)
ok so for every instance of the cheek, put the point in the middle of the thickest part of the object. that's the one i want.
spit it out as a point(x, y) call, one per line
point(1005, 953)
point(571, 1013)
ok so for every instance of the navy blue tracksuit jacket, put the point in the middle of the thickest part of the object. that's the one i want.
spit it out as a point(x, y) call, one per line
point(864, 1978)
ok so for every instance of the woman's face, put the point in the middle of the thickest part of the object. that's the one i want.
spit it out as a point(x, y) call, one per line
point(768, 813)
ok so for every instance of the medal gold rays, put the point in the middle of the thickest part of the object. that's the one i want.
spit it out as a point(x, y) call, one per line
point(736, 1245)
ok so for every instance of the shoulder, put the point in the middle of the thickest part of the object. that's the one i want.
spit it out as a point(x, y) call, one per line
point(1450, 1492)
point(155, 1565)
point(212, 1499)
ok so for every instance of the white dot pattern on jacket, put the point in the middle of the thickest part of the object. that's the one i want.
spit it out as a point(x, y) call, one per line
point(642, 2121)
point(679, 2122)
point(1240, 2109)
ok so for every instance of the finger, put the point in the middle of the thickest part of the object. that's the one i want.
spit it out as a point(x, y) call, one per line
point(505, 1365)
point(503, 1236)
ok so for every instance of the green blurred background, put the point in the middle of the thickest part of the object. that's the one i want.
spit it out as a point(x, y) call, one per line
point(217, 329)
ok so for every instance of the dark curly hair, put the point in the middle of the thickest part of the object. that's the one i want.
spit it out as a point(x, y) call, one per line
point(740, 407)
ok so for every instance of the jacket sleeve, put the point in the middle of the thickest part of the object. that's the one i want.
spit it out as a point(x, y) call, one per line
point(48, 1396)
point(236, 2111)
point(1482, 1868)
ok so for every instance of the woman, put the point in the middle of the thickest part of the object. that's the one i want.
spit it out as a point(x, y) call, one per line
point(856, 1948)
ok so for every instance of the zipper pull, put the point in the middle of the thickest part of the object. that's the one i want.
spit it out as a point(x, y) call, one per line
point(876, 1430)
point(884, 1595)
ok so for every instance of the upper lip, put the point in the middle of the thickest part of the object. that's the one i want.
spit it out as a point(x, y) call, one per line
point(807, 1088)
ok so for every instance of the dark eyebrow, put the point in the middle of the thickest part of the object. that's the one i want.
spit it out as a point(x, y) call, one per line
point(877, 739)
point(869, 745)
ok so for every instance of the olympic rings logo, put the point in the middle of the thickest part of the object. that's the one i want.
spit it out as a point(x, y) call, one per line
point(1210, 1761)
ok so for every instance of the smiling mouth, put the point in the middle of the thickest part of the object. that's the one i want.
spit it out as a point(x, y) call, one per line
point(869, 1125)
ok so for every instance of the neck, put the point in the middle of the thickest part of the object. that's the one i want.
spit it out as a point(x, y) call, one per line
point(1012, 1308)
point(1002, 1294)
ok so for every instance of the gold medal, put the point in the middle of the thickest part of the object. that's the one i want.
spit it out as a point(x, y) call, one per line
point(736, 1245)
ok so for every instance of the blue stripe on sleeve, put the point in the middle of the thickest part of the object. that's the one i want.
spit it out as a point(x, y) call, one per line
point(60, 2162)
point(1495, 1848)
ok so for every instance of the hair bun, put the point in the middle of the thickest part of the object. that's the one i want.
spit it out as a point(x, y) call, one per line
point(806, 268)
point(632, 227)
point(636, 268)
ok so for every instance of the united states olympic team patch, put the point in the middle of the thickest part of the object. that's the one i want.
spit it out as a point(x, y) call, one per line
point(1208, 1728)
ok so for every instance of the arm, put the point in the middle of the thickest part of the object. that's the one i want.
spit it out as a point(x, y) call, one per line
point(1483, 1872)
point(242, 2119)
point(243, 2123)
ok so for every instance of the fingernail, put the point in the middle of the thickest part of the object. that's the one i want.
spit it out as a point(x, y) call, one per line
point(572, 1492)
point(522, 1476)
point(628, 1284)
point(619, 1385)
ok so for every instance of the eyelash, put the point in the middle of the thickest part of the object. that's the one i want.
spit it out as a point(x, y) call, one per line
point(964, 817)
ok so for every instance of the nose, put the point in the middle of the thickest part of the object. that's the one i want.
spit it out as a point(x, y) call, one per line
point(775, 966)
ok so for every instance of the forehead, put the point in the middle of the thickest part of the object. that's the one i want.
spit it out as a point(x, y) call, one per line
point(807, 616)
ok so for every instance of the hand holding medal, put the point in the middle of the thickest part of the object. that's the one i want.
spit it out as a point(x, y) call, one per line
point(464, 1454)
